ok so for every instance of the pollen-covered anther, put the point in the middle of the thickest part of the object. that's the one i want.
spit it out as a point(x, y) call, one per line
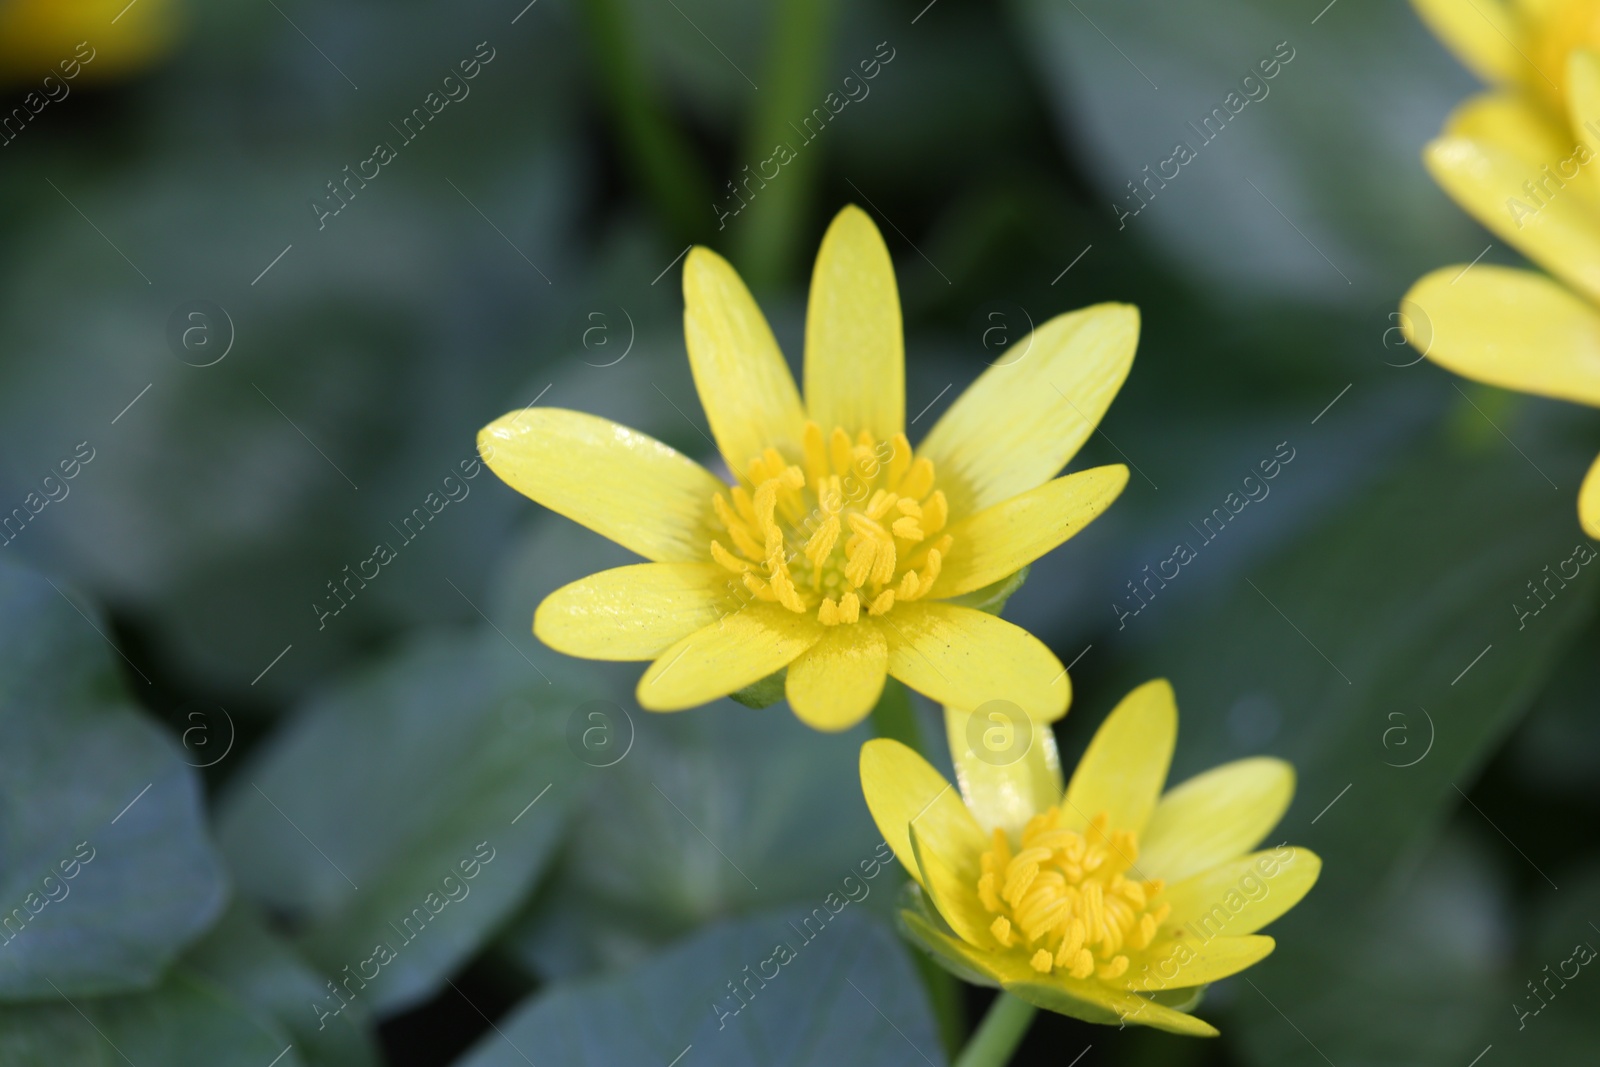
point(855, 524)
point(1063, 897)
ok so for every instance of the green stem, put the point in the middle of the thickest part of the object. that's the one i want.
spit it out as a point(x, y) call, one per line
point(658, 155)
point(894, 717)
point(999, 1034)
point(769, 231)
point(945, 997)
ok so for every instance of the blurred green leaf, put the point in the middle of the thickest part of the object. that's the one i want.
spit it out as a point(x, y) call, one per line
point(707, 806)
point(105, 869)
point(184, 1022)
point(397, 811)
point(1559, 747)
point(1405, 981)
point(243, 957)
point(1560, 1024)
point(840, 990)
point(1314, 185)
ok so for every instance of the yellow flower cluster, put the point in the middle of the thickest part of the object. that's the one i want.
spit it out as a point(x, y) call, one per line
point(840, 553)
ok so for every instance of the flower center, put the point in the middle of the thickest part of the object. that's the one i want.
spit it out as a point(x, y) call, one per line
point(856, 528)
point(1064, 895)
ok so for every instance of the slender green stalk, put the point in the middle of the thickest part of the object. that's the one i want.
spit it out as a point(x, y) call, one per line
point(660, 158)
point(895, 718)
point(999, 1034)
point(944, 996)
point(768, 231)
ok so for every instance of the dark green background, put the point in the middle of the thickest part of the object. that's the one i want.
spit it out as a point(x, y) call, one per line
point(516, 249)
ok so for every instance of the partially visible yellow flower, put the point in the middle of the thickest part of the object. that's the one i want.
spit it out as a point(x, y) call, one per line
point(97, 40)
point(840, 552)
point(1525, 161)
point(1112, 903)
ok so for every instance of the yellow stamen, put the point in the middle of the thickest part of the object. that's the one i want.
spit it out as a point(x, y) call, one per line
point(899, 459)
point(816, 452)
point(1067, 899)
point(849, 608)
point(918, 480)
point(1115, 969)
point(854, 525)
point(728, 559)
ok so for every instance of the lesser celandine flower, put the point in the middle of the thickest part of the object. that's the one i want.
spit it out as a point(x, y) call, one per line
point(1111, 902)
point(839, 551)
point(1523, 159)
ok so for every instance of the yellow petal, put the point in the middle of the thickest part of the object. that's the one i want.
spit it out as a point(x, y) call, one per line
point(1510, 328)
point(1589, 501)
point(1214, 817)
point(950, 876)
point(855, 354)
point(1480, 33)
point(1096, 1002)
point(634, 612)
point(1555, 227)
point(740, 648)
point(1242, 895)
point(1089, 1000)
point(901, 788)
point(1125, 765)
point(1190, 962)
point(1583, 96)
point(1003, 538)
point(1543, 146)
point(1006, 765)
point(834, 684)
point(618, 482)
point(744, 384)
point(1018, 424)
point(965, 658)
point(1515, 123)
point(956, 955)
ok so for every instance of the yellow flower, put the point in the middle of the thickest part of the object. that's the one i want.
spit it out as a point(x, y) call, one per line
point(839, 553)
point(79, 39)
point(1525, 161)
point(1112, 903)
